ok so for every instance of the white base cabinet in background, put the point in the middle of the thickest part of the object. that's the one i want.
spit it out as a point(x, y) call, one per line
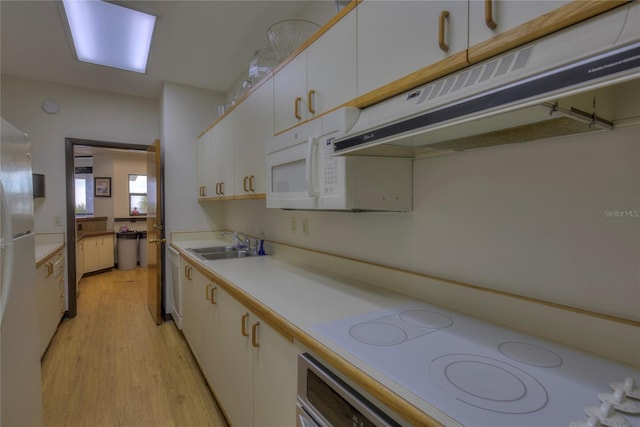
point(98, 253)
point(51, 306)
point(251, 367)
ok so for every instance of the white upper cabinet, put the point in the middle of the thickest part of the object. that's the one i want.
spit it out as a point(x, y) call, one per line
point(396, 38)
point(488, 18)
point(319, 79)
point(254, 127)
point(222, 155)
point(206, 183)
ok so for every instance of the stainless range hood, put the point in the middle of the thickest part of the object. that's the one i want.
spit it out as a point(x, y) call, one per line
point(544, 89)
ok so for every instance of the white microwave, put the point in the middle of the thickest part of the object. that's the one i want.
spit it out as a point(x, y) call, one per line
point(303, 173)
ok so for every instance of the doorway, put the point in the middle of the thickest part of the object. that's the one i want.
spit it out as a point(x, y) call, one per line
point(73, 146)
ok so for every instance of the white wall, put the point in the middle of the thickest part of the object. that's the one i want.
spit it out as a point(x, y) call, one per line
point(533, 219)
point(84, 113)
point(186, 112)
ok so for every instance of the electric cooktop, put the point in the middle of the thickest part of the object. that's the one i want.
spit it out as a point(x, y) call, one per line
point(482, 374)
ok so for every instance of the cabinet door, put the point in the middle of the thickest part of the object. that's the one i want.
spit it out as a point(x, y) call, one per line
point(189, 307)
point(290, 94)
point(214, 325)
point(274, 368)
point(397, 37)
point(206, 185)
point(79, 261)
point(222, 157)
point(490, 18)
point(92, 254)
point(331, 68)
point(106, 248)
point(235, 391)
point(42, 279)
point(249, 150)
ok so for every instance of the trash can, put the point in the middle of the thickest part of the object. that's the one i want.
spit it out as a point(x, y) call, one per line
point(142, 248)
point(127, 250)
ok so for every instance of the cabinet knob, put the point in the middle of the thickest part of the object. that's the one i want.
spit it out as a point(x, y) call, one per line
point(296, 108)
point(488, 15)
point(254, 334)
point(213, 299)
point(243, 320)
point(311, 95)
point(441, 30)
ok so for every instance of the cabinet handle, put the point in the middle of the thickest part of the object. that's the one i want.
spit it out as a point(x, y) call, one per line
point(213, 295)
point(206, 292)
point(310, 98)
point(222, 188)
point(254, 335)
point(251, 178)
point(244, 184)
point(243, 320)
point(441, 30)
point(217, 188)
point(488, 15)
point(187, 272)
point(296, 108)
point(49, 269)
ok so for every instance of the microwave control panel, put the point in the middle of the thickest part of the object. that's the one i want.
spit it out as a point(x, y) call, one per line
point(330, 174)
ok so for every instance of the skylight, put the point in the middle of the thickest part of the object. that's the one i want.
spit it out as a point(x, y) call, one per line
point(108, 34)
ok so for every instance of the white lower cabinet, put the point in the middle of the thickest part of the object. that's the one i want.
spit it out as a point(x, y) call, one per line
point(250, 366)
point(51, 307)
point(98, 253)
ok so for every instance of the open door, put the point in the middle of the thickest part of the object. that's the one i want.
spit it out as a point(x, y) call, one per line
point(155, 233)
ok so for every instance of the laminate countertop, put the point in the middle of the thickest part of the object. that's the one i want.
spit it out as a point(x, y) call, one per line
point(304, 297)
point(306, 303)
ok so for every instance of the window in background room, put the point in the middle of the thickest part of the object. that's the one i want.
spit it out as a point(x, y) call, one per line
point(83, 175)
point(137, 195)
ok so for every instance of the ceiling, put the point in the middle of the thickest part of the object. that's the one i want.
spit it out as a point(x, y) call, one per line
point(206, 44)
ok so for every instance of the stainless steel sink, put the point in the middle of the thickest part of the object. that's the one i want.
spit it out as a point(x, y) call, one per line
point(212, 249)
point(226, 255)
point(220, 252)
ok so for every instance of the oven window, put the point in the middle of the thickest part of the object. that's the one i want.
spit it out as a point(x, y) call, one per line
point(289, 177)
point(331, 405)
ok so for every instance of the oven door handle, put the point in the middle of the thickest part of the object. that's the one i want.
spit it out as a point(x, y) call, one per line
point(304, 419)
point(311, 189)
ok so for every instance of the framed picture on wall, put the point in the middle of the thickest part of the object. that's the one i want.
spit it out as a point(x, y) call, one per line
point(102, 187)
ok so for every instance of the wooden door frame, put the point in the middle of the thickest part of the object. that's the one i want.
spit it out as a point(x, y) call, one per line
point(70, 143)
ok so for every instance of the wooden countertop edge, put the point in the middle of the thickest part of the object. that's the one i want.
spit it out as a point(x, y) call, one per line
point(289, 331)
point(49, 254)
point(94, 234)
point(257, 196)
point(90, 218)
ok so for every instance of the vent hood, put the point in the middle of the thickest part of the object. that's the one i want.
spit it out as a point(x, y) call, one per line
point(544, 89)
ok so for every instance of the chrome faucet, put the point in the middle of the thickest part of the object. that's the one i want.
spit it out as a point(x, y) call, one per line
point(241, 243)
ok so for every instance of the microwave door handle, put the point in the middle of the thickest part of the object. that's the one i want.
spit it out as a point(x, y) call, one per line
point(311, 142)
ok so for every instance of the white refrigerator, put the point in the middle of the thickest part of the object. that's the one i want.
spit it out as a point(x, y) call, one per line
point(20, 391)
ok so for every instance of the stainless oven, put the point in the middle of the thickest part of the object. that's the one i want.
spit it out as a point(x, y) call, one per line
point(325, 400)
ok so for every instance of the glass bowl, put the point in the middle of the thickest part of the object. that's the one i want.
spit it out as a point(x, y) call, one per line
point(286, 36)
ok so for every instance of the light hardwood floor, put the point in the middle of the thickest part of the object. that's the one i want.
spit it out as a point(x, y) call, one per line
point(112, 366)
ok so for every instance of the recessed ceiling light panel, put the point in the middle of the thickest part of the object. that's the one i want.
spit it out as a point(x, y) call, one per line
point(108, 34)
